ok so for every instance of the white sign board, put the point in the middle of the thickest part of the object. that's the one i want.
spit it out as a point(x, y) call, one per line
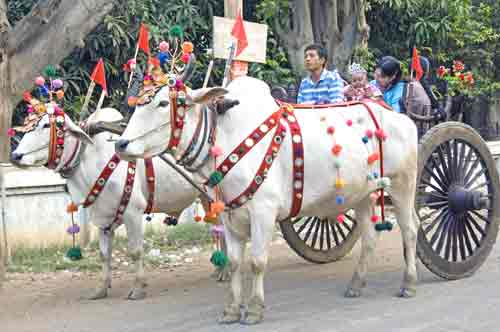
point(256, 36)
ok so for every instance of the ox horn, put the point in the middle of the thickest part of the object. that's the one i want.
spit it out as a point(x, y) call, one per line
point(133, 91)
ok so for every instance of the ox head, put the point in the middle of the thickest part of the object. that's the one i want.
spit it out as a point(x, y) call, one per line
point(34, 148)
point(161, 117)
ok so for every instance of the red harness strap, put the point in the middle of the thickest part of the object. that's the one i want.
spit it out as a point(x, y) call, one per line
point(150, 180)
point(127, 192)
point(102, 180)
point(286, 113)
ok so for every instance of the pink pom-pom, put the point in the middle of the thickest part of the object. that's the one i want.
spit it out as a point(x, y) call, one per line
point(30, 109)
point(164, 46)
point(330, 130)
point(216, 151)
point(57, 83)
point(349, 122)
point(131, 64)
point(374, 197)
point(340, 218)
point(58, 110)
point(369, 133)
point(11, 132)
point(380, 133)
point(40, 81)
point(374, 219)
point(179, 85)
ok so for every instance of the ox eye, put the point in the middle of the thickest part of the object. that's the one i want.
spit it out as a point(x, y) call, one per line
point(163, 103)
point(47, 125)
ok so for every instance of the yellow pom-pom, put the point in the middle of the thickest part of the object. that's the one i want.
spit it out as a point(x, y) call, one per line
point(339, 183)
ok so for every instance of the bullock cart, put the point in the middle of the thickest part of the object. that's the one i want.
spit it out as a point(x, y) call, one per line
point(457, 203)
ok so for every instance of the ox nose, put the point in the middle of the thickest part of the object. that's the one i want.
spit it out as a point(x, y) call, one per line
point(121, 144)
point(16, 157)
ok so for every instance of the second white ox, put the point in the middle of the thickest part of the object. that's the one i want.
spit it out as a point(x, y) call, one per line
point(91, 158)
point(150, 131)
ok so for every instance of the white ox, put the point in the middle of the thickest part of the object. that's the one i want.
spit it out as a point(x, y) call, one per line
point(175, 194)
point(148, 133)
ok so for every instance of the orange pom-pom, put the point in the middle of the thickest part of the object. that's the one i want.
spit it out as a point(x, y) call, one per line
point(336, 149)
point(60, 94)
point(373, 158)
point(217, 207)
point(210, 218)
point(339, 183)
point(187, 47)
point(72, 207)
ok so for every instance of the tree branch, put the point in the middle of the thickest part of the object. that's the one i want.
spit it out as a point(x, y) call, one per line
point(332, 18)
point(48, 34)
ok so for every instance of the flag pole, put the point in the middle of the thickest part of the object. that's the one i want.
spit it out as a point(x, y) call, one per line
point(131, 70)
point(101, 100)
point(87, 99)
point(232, 51)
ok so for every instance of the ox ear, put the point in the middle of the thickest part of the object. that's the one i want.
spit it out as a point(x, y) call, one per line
point(77, 131)
point(205, 96)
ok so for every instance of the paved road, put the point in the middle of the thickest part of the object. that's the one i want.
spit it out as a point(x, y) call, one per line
point(300, 297)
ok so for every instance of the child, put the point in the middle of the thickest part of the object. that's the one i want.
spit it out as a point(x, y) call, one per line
point(359, 88)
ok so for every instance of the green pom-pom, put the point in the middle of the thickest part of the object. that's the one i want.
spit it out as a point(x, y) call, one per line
point(176, 32)
point(50, 71)
point(383, 226)
point(219, 259)
point(74, 253)
point(215, 178)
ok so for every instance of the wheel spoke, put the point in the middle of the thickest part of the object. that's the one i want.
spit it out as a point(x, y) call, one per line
point(434, 187)
point(327, 230)
point(301, 228)
point(342, 234)
point(451, 161)
point(476, 176)
point(439, 171)
point(436, 205)
point(308, 233)
point(471, 170)
point(461, 160)
point(479, 186)
point(471, 232)
point(483, 218)
point(474, 223)
point(435, 177)
point(444, 165)
point(441, 216)
point(440, 227)
point(315, 235)
point(322, 235)
point(449, 239)
point(462, 238)
point(334, 233)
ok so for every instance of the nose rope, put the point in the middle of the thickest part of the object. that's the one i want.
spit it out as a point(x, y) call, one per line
point(34, 151)
point(149, 132)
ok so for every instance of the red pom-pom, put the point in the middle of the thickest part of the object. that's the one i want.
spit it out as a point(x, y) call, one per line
point(27, 96)
point(349, 122)
point(11, 132)
point(340, 218)
point(197, 218)
point(380, 133)
point(369, 133)
point(60, 141)
point(330, 130)
point(373, 158)
point(336, 149)
point(374, 219)
point(185, 57)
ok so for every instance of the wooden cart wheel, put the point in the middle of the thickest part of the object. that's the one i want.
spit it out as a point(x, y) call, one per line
point(321, 240)
point(457, 200)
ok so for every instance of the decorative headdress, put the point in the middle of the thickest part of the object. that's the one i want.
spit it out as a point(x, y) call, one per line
point(356, 68)
point(48, 91)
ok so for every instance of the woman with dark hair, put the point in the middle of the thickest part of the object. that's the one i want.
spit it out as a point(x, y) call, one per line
point(388, 77)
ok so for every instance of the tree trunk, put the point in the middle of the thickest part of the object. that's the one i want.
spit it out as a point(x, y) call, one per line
point(339, 25)
point(232, 8)
point(48, 34)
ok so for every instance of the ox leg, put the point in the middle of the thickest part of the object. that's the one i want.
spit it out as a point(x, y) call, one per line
point(105, 252)
point(369, 238)
point(262, 229)
point(135, 237)
point(403, 197)
point(235, 251)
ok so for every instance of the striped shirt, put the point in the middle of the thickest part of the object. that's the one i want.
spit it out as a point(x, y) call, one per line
point(329, 89)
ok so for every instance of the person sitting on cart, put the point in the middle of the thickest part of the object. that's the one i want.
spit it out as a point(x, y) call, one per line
point(360, 88)
point(321, 86)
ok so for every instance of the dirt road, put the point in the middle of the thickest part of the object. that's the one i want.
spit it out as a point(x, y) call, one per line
point(300, 297)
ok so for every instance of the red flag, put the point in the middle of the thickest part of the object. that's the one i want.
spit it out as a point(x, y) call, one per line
point(144, 39)
point(416, 66)
point(99, 76)
point(239, 33)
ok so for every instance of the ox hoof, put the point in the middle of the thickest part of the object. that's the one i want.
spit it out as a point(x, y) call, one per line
point(407, 293)
point(253, 318)
point(136, 294)
point(231, 315)
point(352, 292)
point(97, 294)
